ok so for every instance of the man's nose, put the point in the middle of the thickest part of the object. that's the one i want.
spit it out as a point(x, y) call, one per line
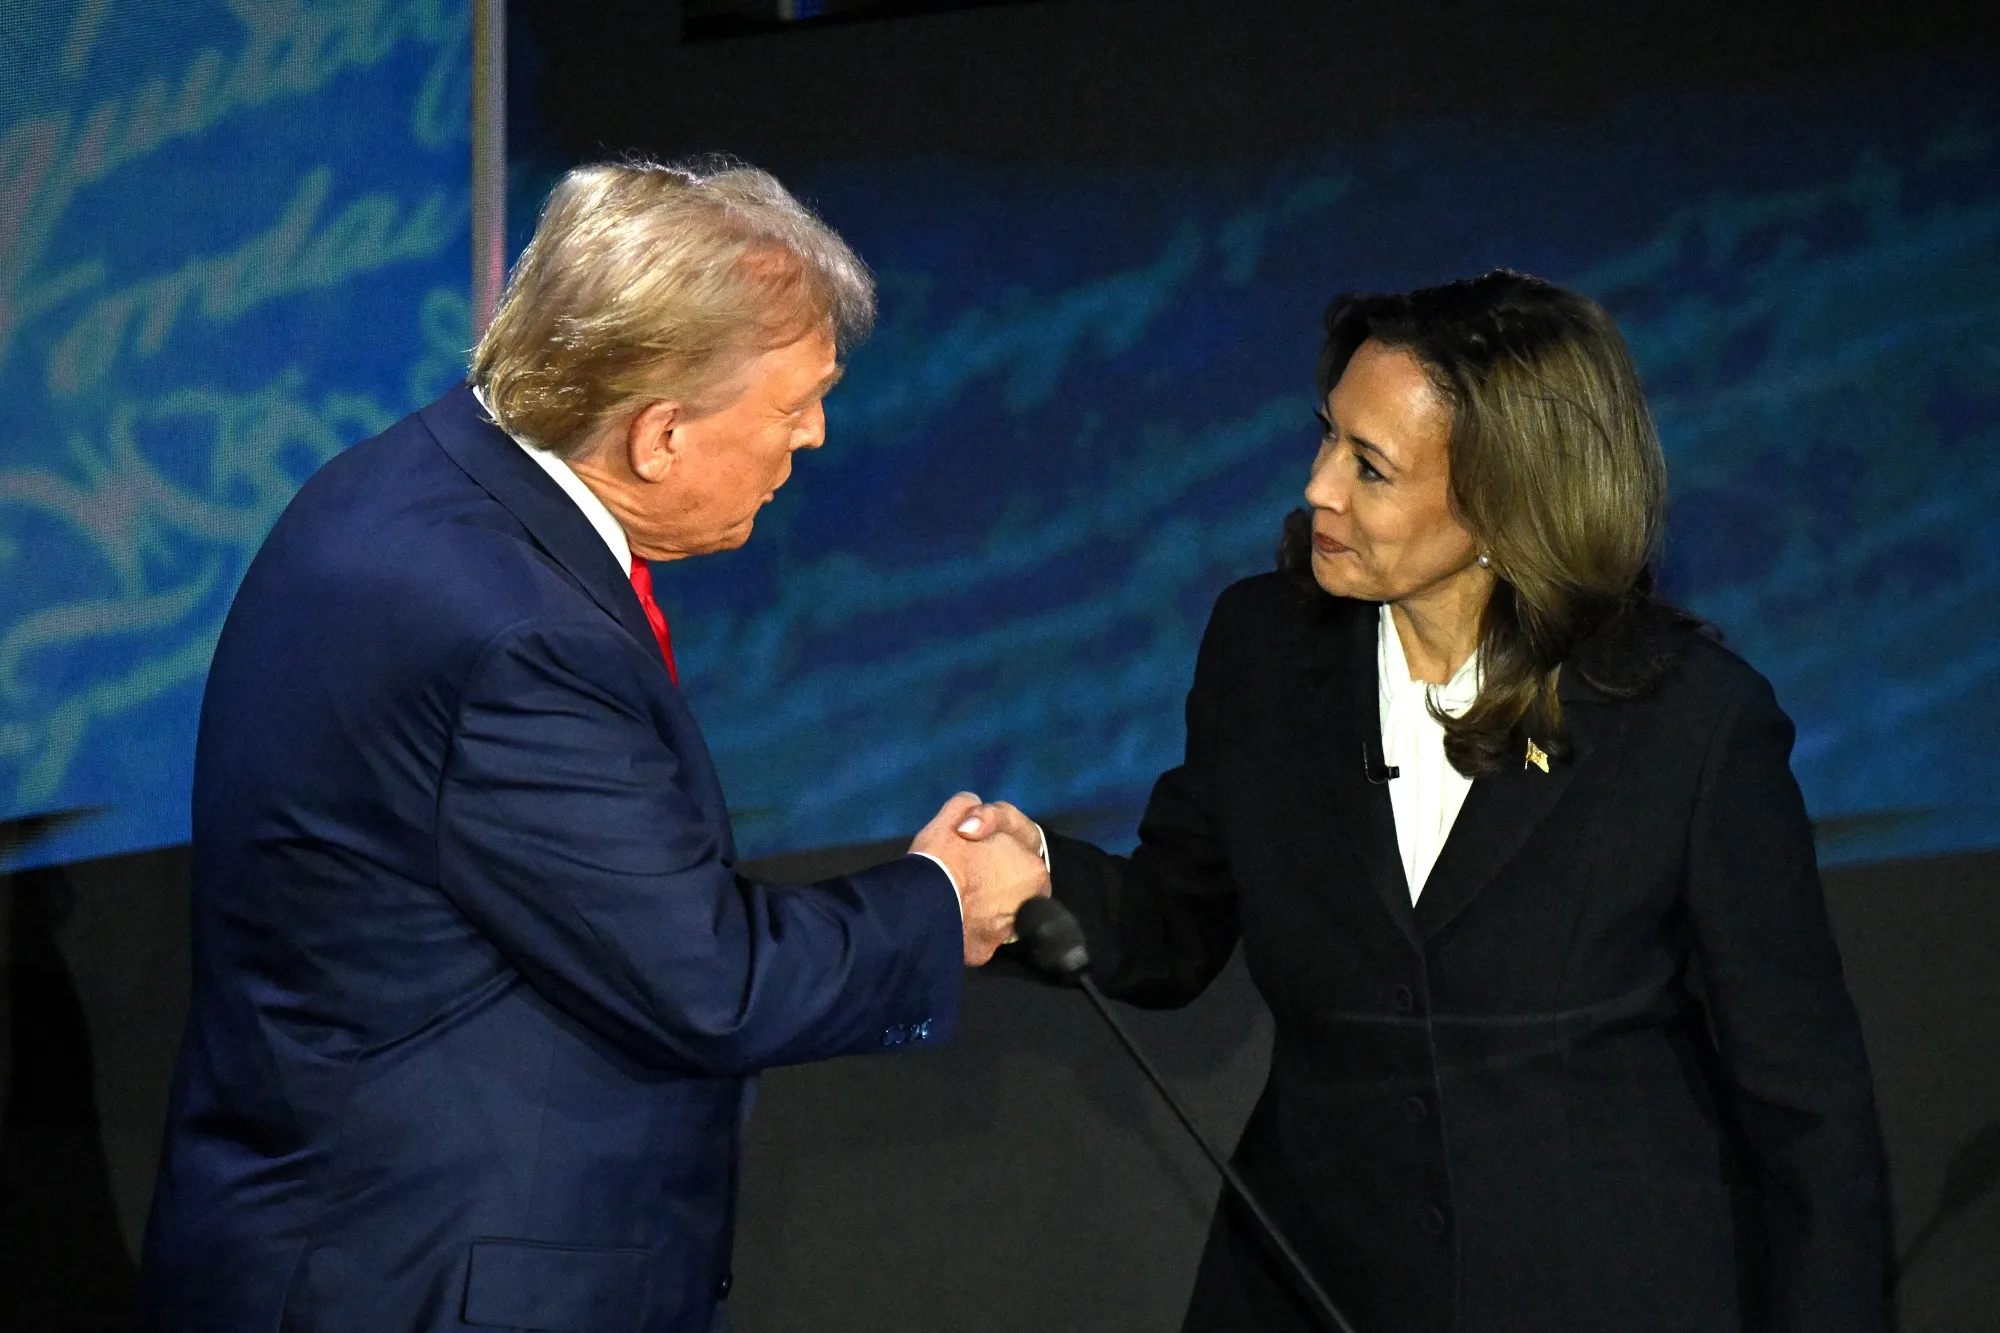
point(814, 433)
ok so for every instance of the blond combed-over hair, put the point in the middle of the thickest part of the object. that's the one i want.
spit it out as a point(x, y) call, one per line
point(648, 281)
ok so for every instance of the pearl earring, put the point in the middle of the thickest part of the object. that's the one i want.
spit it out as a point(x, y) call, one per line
point(1485, 561)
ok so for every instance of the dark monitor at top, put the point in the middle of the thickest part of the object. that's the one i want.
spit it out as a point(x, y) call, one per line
point(707, 20)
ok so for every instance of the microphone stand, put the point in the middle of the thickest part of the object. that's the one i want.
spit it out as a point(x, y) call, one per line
point(1323, 1306)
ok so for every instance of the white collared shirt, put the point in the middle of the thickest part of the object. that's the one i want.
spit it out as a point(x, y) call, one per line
point(1427, 792)
point(601, 518)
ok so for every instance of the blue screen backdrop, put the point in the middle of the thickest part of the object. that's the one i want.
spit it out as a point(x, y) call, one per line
point(1089, 406)
point(1086, 409)
point(232, 241)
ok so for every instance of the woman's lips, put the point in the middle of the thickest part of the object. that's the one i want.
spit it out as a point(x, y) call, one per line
point(1326, 545)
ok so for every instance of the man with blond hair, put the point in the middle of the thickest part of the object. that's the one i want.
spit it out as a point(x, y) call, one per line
point(479, 991)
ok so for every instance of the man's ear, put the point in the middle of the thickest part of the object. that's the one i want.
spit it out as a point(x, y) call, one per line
point(655, 440)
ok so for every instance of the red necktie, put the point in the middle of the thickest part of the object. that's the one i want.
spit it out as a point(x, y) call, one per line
point(642, 583)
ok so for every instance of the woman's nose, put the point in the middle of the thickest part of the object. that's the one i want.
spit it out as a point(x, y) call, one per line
point(1323, 489)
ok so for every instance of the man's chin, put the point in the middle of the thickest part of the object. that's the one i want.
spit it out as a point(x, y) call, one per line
point(736, 536)
point(727, 540)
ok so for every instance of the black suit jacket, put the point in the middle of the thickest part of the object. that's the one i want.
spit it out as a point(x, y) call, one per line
point(1605, 1075)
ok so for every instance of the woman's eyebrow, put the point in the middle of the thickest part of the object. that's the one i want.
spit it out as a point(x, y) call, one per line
point(1362, 446)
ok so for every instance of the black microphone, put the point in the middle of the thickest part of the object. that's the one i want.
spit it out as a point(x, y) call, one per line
point(1054, 938)
point(1056, 946)
point(1377, 771)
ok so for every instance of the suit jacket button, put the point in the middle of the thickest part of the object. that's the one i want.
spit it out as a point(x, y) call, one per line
point(722, 1287)
point(1406, 999)
point(1414, 1110)
point(921, 1031)
point(1431, 1219)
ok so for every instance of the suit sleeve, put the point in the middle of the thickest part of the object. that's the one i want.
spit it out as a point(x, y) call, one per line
point(1788, 1032)
point(1162, 922)
point(567, 836)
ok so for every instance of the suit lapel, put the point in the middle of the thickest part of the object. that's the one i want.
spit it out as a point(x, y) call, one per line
point(1341, 726)
point(1504, 808)
point(552, 519)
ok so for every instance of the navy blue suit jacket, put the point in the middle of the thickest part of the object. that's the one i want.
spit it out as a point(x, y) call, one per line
point(478, 989)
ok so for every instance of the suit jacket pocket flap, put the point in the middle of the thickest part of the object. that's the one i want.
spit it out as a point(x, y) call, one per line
point(556, 1288)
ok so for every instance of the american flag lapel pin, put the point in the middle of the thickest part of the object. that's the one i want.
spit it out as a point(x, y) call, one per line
point(1536, 756)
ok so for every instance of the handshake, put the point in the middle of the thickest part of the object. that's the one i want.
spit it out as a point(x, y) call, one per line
point(994, 852)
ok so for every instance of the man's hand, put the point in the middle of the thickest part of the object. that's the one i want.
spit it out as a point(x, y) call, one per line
point(995, 875)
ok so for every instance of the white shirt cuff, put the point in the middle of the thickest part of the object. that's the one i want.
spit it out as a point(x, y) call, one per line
point(956, 894)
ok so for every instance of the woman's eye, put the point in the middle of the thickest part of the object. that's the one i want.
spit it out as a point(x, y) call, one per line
point(1366, 470)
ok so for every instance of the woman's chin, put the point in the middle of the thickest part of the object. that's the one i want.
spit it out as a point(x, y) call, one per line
point(1336, 576)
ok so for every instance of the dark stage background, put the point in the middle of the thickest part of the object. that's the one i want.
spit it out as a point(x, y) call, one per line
point(1104, 230)
point(1021, 1179)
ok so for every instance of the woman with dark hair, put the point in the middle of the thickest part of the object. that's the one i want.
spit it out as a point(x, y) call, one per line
point(1519, 865)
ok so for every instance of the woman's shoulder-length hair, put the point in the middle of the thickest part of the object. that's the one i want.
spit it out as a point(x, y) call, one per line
point(1556, 471)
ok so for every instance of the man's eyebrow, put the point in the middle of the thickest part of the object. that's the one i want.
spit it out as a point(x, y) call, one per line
point(820, 389)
